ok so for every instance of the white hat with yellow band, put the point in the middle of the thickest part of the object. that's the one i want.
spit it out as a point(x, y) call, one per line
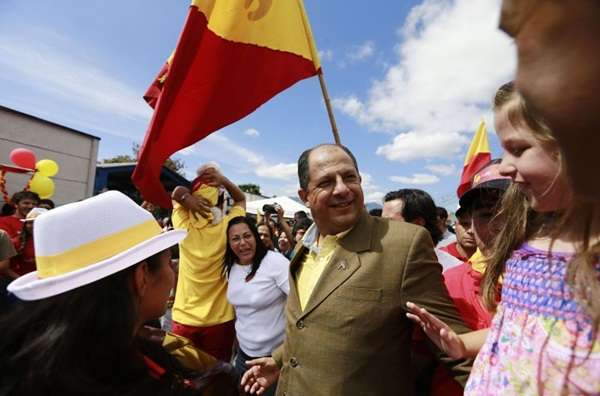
point(82, 242)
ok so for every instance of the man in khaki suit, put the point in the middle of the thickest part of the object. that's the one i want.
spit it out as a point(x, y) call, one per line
point(347, 332)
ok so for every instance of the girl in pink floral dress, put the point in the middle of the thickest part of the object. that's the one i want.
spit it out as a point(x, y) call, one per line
point(544, 337)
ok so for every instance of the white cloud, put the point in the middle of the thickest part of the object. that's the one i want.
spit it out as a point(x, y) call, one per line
point(252, 132)
point(417, 178)
point(442, 169)
point(451, 58)
point(371, 190)
point(326, 55)
point(242, 158)
point(362, 52)
point(422, 144)
point(278, 171)
point(52, 63)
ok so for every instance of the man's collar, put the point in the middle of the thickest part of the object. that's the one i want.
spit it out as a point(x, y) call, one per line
point(356, 238)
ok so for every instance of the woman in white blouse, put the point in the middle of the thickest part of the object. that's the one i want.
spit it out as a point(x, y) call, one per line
point(258, 289)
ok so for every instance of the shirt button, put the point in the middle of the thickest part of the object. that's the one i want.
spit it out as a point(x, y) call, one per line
point(300, 324)
point(293, 362)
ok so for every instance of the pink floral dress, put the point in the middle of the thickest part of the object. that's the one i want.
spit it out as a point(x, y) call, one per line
point(541, 341)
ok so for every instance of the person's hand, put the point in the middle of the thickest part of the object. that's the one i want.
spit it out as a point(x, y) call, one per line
point(212, 176)
point(197, 205)
point(443, 336)
point(279, 211)
point(262, 374)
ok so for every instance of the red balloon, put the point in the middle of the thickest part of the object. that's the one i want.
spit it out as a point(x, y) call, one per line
point(23, 157)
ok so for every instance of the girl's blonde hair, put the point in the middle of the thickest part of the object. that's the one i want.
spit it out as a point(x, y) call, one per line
point(521, 223)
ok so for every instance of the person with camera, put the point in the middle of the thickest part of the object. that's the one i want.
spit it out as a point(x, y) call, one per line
point(272, 226)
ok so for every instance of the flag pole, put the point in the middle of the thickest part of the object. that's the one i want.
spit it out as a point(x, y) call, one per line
point(334, 130)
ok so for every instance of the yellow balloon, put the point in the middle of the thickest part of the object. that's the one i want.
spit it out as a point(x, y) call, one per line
point(42, 185)
point(47, 167)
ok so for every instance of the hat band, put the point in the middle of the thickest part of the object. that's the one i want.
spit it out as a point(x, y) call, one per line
point(93, 252)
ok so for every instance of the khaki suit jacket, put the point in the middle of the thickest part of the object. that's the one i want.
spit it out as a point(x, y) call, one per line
point(354, 338)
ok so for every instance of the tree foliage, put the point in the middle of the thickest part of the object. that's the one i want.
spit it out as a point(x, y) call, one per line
point(250, 188)
point(175, 165)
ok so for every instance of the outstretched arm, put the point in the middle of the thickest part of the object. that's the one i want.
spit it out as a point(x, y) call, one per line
point(456, 346)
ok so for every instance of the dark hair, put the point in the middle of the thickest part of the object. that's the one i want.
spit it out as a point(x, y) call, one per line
point(230, 257)
point(442, 213)
point(21, 195)
point(304, 171)
point(47, 202)
point(375, 212)
point(301, 224)
point(79, 342)
point(7, 209)
point(300, 215)
point(418, 204)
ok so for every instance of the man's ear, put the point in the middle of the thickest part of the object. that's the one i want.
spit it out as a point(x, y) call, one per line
point(419, 221)
point(140, 279)
point(304, 197)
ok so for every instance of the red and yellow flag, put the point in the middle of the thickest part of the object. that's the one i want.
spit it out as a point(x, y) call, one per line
point(232, 56)
point(478, 155)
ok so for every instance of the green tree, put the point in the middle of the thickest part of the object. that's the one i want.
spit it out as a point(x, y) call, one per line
point(175, 165)
point(250, 188)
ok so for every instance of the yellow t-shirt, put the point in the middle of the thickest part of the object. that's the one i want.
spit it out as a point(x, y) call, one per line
point(201, 296)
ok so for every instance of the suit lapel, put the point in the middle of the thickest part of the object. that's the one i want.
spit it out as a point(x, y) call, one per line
point(342, 265)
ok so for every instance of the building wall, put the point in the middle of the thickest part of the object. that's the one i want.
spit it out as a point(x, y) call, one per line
point(76, 154)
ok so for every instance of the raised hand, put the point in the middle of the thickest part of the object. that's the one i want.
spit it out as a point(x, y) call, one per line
point(262, 374)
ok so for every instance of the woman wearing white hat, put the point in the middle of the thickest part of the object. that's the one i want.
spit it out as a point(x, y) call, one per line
point(102, 272)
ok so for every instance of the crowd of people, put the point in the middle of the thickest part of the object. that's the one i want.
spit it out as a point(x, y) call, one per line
point(99, 297)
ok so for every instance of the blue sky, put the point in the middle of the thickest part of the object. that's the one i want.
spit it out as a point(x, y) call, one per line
point(410, 81)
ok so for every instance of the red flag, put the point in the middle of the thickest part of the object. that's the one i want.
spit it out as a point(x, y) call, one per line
point(478, 155)
point(230, 59)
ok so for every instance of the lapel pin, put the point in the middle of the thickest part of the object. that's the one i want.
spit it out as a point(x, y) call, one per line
point(342, 265)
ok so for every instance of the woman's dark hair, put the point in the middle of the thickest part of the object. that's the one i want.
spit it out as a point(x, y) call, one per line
point(230, 257)
point(79, 342)
point(418, 204)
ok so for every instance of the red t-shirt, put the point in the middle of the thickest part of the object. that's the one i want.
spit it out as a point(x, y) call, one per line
point(12, 225)
point(452, 250)
point(24, 261)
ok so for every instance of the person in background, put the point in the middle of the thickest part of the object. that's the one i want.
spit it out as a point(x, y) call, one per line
point(417, 207)
point(24, 261)
point(46, 204)
point(23, 201)
point(300, 215)
point(266, 234)
point(258, 288)
point(465, 245)
point(448, 235)
point(284, 246)
point(300, 228)
point(79, 327)
point(7, 251)
point(464, 281)
point(201, 311)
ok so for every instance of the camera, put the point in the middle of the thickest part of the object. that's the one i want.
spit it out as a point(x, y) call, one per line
point(269, 209)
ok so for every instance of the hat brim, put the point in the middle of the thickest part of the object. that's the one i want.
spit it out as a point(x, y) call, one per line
point(466, 201)
point(31, 287)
